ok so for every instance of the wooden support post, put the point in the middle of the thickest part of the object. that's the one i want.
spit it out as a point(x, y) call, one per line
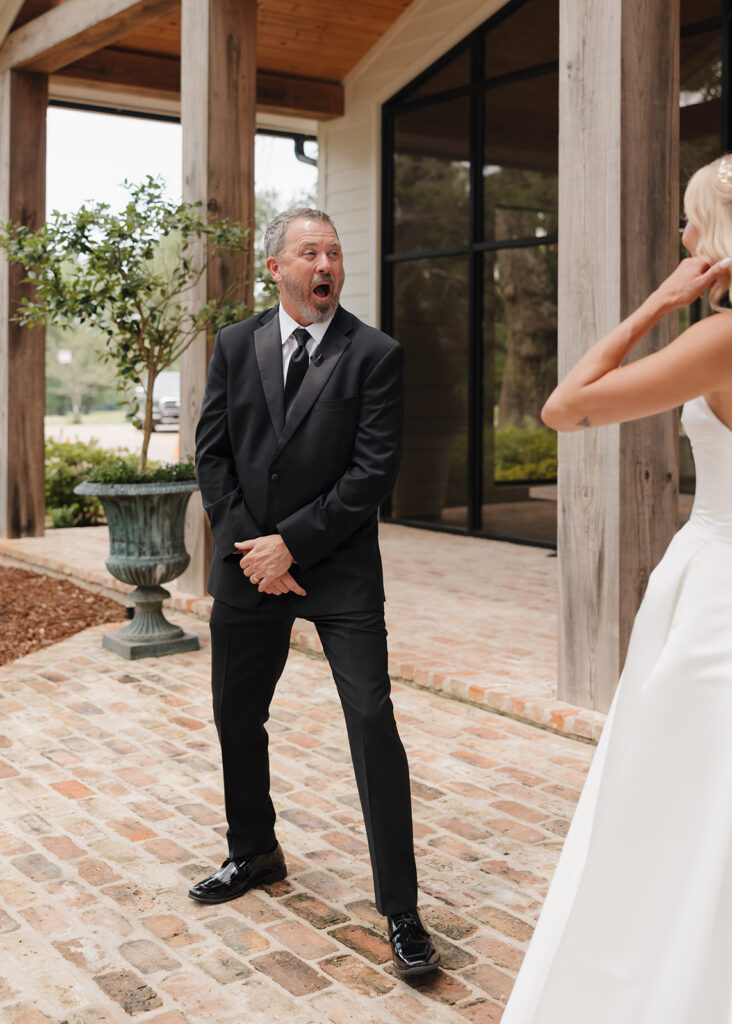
point(618, 239)
point(23, 101)
point(218, 114)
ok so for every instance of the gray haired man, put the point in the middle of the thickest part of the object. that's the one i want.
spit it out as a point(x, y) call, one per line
point(297, 446)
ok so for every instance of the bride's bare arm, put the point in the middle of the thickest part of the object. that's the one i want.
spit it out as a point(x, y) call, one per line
point(598, 390)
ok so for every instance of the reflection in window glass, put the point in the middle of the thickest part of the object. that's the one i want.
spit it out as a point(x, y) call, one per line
point(701, 102)
point(432, 176)
point(699, 10)
point(520, 159)
point(511, 114)
point(431, 322)
point(527, 37)
point(520, 354)
point(453, 75)
point(700, 118)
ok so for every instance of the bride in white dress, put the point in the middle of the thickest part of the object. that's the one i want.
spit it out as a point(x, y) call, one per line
point(637, 924)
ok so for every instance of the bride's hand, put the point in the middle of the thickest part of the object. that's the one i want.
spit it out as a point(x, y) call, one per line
point(690, 280)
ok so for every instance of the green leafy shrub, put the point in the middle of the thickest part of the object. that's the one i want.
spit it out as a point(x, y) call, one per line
point(67, 515)
point(525, 454)
point(67, 464)
point(70, 463)
point(122, 470)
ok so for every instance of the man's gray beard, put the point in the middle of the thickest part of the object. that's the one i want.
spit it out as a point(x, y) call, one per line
point(317, 313)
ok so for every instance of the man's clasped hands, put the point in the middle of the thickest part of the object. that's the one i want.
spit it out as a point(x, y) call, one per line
point(266, 562)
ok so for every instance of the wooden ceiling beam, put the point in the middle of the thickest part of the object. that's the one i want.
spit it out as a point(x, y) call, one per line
point(281, 94)
point(77, 28)
point(120, 67)
point(301, 97)
point(9, 11)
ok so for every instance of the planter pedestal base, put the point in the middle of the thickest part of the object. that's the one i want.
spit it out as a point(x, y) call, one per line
point(150, 649)
point(149, 634)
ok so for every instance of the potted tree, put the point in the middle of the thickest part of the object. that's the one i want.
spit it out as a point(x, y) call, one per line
point(126, 276)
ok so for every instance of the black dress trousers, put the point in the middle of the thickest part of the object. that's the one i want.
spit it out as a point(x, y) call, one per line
point(249, 651)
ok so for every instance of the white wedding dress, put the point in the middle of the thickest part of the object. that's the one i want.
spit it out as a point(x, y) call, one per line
point(637, 924)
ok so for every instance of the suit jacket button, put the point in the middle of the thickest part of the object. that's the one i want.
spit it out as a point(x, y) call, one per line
point(275, 478)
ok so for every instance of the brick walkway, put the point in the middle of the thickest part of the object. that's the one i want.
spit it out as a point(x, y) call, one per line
point(111, 805)
point(473, 618)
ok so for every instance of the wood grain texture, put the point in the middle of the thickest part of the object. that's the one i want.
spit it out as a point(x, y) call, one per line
point(316, 44)
point(75, 29)
point(618, 209)
point(150, 74)
point(31, 9)
point(304, 38)
point(23, 101)
point(218, 113)
point(302, 97)
point(9, 10)
point(113, 66)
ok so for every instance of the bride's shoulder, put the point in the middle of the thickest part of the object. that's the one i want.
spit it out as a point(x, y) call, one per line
point(717, 327)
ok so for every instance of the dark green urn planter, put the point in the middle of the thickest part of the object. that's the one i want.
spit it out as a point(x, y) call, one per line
point(146, 549)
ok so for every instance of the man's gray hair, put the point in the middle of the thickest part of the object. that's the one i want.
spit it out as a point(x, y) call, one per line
point(274, 236)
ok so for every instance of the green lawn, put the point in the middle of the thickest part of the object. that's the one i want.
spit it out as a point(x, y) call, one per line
point(105, 416)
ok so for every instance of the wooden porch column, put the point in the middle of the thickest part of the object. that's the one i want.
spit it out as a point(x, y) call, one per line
point(23, 101)
point(218, 113)
point(618, 239)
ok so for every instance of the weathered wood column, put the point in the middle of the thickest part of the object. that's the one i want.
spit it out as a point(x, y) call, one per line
point(23, 102)
point(618, 238)
point(218, 112)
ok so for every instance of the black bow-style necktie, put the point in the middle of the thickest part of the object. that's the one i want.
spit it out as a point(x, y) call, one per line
point(298, 365)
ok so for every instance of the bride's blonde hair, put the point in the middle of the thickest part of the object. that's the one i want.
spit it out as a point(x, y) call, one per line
point(708, 205)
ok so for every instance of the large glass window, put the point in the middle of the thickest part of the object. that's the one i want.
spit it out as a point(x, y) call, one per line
point(431, 322)
point(469, 282)
point(432, 182)
point(469, 271)
point(705, 133)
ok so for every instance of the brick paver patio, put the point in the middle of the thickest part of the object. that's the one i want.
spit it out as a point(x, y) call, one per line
point(473, 618)
point(111, 804)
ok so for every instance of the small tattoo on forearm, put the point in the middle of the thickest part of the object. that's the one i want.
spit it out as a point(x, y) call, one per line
point(584, 422)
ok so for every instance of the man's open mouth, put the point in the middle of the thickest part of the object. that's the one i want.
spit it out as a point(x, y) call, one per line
point(323, 290)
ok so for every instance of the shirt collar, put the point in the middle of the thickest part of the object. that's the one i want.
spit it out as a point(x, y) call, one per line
point(288, 325)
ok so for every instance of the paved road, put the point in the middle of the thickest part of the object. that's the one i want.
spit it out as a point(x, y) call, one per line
point(163, 443)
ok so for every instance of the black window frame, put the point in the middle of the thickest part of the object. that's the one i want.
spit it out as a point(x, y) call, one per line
point(477, 244)
point(474, 249)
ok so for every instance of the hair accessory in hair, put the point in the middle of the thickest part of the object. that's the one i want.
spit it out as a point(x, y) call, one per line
point(724, 171)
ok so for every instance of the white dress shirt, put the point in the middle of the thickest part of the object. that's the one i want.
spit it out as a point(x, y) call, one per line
point(288, 326)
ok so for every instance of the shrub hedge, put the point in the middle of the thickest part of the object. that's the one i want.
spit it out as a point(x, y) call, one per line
point(68, 463)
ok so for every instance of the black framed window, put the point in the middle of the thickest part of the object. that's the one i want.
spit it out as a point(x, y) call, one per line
point(705, 127)
point(469, 261)
point(469, 277)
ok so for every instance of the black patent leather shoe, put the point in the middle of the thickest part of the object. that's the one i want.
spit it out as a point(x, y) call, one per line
point(238, 874)
point(412, 948)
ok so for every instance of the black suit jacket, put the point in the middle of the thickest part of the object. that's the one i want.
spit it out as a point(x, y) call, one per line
point(317, 476)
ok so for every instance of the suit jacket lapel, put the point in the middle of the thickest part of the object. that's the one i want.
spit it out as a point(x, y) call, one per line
point(268, 346)
point(331, 349)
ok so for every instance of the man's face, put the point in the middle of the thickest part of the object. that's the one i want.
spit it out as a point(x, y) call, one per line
point(309, 271)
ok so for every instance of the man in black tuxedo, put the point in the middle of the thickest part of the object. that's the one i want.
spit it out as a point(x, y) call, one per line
point(297, 446)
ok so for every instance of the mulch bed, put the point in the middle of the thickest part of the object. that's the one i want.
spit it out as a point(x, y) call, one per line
point(38, 610)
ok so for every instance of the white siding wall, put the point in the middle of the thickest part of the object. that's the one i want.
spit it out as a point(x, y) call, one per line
point(350, 147)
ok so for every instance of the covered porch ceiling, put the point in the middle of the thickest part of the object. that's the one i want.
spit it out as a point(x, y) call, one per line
point(109, 53)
